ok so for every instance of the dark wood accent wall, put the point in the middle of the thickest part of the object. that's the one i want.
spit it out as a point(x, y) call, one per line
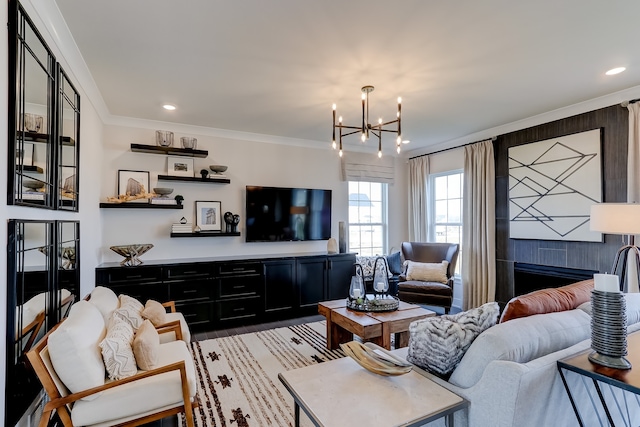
point(614, 121)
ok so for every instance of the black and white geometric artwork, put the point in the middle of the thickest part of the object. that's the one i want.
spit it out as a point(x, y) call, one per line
point(552, 185)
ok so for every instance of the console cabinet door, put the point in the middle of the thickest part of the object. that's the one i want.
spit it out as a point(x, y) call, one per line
point(339, 275)
point(311, 279)
point(279, 286)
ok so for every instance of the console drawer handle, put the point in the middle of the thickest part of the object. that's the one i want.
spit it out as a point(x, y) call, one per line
point(135, 276)
point(190, 272)
point(239, 309)
point(191, 291)
point(238, 286)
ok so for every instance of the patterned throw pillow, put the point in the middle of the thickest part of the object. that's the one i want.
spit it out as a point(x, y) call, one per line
point(438, 343)
point(130, 310)
point(117, 352)
point(368, 264)
point(426, 271)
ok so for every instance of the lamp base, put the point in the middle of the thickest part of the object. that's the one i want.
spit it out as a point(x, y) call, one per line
point(609, 362)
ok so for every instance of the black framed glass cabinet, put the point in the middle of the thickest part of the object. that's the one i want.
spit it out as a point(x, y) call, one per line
point(43, 280)
point(44, 122)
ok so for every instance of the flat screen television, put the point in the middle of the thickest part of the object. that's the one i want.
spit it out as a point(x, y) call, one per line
point(277, 214)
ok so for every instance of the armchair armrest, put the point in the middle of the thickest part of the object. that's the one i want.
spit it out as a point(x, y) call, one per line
point(171, 305)
point(402, 278)
point(173, 326)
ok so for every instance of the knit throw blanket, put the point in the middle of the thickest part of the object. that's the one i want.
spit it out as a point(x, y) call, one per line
point(237, 376)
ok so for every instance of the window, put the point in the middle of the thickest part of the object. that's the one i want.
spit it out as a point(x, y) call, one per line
point(367, 218)
point(446, 213)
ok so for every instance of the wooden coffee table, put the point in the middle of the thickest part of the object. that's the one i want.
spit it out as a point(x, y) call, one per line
point(377, 327)
point(342, 393)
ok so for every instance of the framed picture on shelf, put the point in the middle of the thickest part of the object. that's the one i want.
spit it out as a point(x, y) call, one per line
point(133, 183)
point(179, 166)
point(208, 216)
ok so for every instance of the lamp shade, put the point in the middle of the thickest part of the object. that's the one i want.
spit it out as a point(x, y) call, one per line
point(615, 218)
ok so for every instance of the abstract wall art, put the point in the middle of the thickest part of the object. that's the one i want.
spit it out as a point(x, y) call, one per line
point(552, 185)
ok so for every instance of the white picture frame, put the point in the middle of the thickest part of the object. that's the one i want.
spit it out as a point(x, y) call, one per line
point(208, 216)
point(179, 166)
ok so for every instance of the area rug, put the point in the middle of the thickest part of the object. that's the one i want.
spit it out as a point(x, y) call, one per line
point(238, 383)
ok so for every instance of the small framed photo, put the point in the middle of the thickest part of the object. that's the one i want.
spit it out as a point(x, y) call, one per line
point(180, 166)
point(25, 156)
point(208, 216)
point(133, 183)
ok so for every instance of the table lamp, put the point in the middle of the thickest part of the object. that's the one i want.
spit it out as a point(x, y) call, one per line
point(619, 218)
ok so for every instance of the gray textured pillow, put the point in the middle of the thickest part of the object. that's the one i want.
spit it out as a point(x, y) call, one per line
point(438, 343)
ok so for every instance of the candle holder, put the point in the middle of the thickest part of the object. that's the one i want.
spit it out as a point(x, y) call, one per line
point(609, 329)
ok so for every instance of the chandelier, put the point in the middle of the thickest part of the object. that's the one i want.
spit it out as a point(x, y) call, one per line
point(367, 128)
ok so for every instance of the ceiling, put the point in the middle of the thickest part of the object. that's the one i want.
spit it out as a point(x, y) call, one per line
point(276, 67)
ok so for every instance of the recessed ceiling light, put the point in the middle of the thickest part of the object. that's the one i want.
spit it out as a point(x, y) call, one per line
point(616, 70)
point(169, 107)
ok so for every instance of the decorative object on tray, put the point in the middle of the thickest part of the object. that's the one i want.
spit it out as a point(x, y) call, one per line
point(131, 253)
point(218, 169)
point(179, 166)
point(204, 173)
point(163, 192)
point(376, 359)
point(164, 138)
point(608, 323)
point(208, 215)
point(380, 276)
point(188, 142)
point(358, 299)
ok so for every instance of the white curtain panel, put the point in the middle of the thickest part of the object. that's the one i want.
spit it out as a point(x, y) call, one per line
point(633, 185)
point(478, 225)
point(418, 211)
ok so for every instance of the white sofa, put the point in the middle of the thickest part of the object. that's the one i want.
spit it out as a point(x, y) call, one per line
point(69, 363)
point(509, 373)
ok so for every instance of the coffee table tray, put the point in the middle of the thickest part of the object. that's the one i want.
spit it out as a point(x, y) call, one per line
point(386, 303)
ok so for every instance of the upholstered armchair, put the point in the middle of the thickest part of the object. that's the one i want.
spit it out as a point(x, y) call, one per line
point(427, 278)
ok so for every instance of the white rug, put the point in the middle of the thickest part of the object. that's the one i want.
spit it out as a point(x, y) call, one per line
point(237, 376)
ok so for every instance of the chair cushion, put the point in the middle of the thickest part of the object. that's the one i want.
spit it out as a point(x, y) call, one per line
point(141, 396)
point(430, 288)
point(74, 350)
point(427, 271)
point(548, 300)
point(105, 300)
point(438, 343)
point(521, 340)
point(146, 345)
point(155, 312)
point(394, 261)
point(130, 310)
point(117, 350)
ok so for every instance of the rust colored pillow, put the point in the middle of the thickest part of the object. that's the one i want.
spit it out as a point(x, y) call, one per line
point(548, 300)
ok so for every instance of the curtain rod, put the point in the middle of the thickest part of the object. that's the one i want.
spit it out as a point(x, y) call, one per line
point(626, 103)
point(493, 138)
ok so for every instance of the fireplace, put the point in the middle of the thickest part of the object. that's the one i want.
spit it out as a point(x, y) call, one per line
point(531, 277)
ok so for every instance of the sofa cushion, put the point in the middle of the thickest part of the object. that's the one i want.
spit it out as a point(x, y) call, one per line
point(154, 312)
point(394, 261)
point(427, 271)
point(438, 343)
point(117, 351)
point(146, 345)
point(141, 396)
point(548, 300)
point(105, 300)
point(521, 340)
point(130, 310)
point(74, 351)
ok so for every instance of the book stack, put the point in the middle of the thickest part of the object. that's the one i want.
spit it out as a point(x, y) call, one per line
point(182, 228)
point(31, 195)
point(162, 201)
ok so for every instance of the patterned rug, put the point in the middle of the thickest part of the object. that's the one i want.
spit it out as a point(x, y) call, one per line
point(238, 383)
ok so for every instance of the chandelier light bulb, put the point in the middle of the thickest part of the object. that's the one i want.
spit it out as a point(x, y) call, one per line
point(334, 107)
point(398, 149)
point(379, 154)
point(364, 96)
point(340, 119)
point(398, 140)
point(334, 144)
point(380, 121)
point(363, 137)
point(340, 153)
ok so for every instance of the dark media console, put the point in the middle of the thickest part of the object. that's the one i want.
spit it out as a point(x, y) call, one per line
point(215, 293)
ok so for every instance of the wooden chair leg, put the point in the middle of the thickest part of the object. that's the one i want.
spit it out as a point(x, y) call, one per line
point(44, 419)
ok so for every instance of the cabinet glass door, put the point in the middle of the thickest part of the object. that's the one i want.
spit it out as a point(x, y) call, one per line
point(68, 144)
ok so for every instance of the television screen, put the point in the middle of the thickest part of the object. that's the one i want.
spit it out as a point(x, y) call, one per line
point(287, 214)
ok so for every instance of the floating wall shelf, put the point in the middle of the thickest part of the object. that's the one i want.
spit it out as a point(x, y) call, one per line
point(206, 234)
point(194, 179)
point(44, 137)
point(137, 206)
point(171, 151)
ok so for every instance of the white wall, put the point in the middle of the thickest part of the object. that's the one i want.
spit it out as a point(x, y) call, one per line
point(250, 163)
